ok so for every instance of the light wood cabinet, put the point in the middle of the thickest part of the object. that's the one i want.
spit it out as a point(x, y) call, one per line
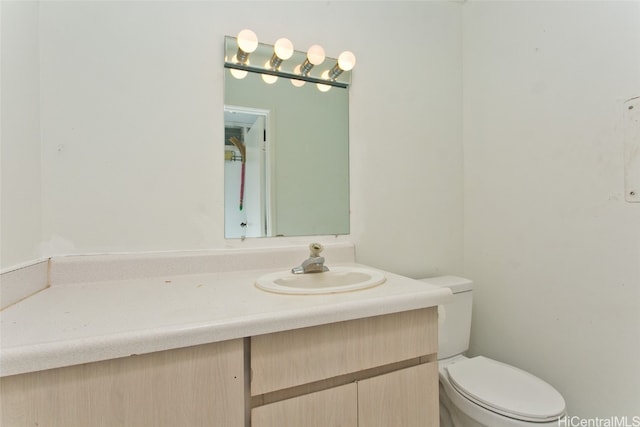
point(384, 368)
point(194, 386)
point(377, 371)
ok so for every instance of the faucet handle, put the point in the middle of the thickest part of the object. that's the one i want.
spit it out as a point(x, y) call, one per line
point(315, 249)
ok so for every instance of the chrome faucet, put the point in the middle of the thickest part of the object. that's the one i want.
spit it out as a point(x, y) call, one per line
point(314, 264)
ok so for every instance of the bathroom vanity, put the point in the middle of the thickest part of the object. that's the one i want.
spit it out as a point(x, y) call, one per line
point(189, 340)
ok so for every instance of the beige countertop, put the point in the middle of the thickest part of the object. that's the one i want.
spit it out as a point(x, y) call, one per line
point(80, 322)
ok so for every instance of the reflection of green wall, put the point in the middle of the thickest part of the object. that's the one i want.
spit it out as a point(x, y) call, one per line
point(310, 137)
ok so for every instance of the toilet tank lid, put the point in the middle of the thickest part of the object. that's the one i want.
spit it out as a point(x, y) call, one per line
point(455, 283)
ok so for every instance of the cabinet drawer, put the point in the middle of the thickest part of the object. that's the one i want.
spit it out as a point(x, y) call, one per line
point(290, 358)
point(333, 407)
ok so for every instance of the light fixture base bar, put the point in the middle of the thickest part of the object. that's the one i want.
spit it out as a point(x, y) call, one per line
point(261, 70)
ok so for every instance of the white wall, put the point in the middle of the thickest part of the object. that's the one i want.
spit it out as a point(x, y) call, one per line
point(406, 133)
point(131, 122)
point(21, 209)
point(131, 118)
point(552, 245)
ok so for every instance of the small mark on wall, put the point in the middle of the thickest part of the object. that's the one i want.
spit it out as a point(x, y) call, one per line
point(632, 149)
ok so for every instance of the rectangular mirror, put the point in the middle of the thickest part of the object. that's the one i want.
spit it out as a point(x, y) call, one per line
point(286, 156)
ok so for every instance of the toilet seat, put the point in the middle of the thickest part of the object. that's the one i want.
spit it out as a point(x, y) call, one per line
point(506, 390)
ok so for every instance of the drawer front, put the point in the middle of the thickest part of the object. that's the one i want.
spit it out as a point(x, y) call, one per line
point(291, 358)
point(333, 407)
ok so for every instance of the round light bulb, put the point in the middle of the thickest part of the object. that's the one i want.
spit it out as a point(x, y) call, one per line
point(322, 87)
point(269, 79)
point(315, 54)
point(296, 82)
point(346, 60)
point(283, 48)
point(247, 41)
point(238, 74)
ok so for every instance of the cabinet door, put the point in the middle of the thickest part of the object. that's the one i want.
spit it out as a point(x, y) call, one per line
point(192, 386)
point(408, 398)
point(334, 407)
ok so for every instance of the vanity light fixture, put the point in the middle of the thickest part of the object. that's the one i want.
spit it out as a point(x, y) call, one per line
point(282, 60)
point(346, 62)
point(282, 50)
point(269, 78)
point(238, 74)
point(296, 82)
point(315, 56)
point(323, 87)
point(247, 43)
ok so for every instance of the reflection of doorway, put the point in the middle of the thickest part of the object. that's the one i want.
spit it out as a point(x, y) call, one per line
point(247, 217)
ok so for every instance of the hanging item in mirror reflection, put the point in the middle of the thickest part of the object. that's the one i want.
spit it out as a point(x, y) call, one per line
point(243, 154)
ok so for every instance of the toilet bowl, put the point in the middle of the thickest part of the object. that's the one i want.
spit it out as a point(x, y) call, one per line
point(478, 391)
point(483, 392)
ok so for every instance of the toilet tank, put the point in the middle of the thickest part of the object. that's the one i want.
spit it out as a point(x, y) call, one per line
point(454, 319)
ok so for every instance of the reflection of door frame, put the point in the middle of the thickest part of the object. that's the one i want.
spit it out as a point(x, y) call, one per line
point(268, 192)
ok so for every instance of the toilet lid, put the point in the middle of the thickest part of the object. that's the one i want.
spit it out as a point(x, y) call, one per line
point(506, 390)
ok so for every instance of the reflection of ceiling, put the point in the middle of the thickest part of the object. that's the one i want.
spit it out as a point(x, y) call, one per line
point(235, 118)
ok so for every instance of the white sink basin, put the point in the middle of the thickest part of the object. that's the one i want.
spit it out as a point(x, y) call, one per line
point(337, 279)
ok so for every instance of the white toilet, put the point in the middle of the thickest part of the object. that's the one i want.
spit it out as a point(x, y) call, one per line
point(479, 391)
